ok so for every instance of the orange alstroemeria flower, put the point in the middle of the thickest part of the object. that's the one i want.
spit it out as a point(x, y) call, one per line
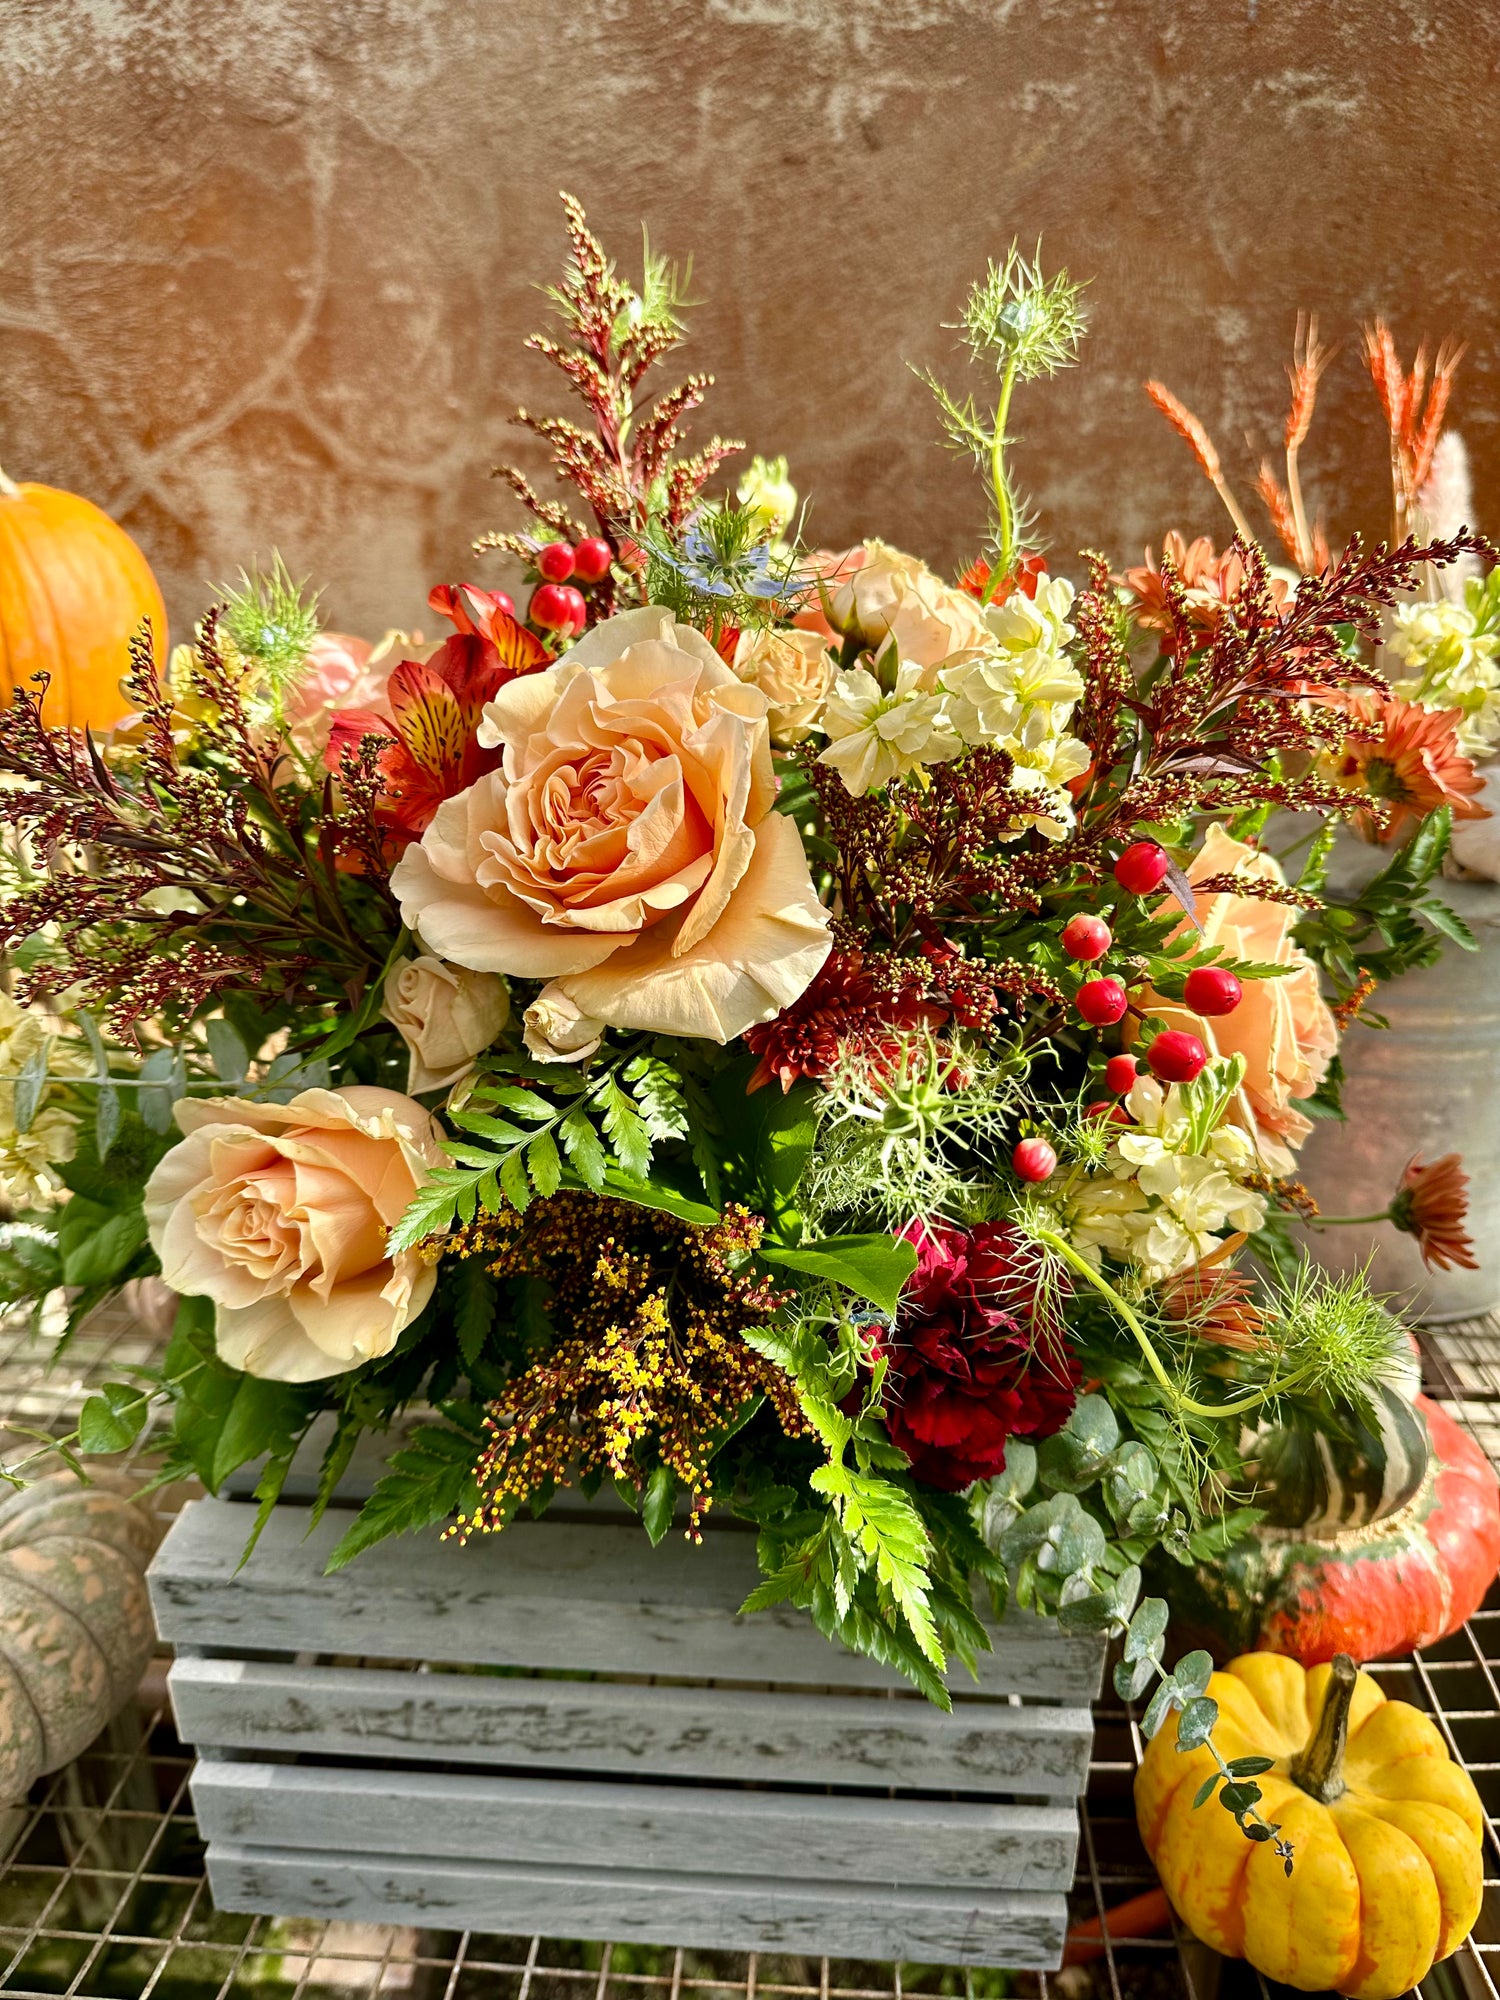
point(431, 741)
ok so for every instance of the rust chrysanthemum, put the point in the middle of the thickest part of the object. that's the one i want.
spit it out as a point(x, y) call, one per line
point(1407, 758)
point(845, 1010)
point(1432, 1204)
point(1215, 1300)
point(1210, 583)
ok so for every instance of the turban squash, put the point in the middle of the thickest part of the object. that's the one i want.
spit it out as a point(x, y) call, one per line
point(1375, 1542)
point(74, 588)
point(75, 1621)
point(1386, 1830)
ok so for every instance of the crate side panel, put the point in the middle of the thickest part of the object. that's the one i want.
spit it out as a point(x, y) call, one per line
point(1005, 1927)
point(668, 1732)
point(673, 1829)
point(560, 1595)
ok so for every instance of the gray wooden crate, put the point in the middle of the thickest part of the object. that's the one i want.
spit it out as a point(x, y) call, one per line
point(562, 1730)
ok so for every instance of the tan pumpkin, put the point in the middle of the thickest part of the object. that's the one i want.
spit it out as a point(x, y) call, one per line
point(75, 1621)
point(73, 589)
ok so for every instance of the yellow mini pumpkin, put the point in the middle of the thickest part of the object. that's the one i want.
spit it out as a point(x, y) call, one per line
point(74, 589)
point(1386, 1831)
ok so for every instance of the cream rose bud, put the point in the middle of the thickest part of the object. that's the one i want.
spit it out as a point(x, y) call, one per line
point(555, 1031)
point(894, 596)
point(446, 1015)
point(794, 671)
point(279, 1213)
point(627, 850)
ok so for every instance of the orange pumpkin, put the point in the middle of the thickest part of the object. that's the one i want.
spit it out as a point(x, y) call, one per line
point(73, 589)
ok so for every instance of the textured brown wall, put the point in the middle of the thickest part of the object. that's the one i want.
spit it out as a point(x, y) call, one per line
point(265, 265)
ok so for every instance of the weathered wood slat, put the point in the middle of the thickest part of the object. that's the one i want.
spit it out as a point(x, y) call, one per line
point(676, 1829)
point(561, 1595)
point(1008, 1927)
point(849, 1741)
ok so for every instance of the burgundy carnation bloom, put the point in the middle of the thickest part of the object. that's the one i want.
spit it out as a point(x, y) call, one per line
point(971, 1359)
point(844, 1008)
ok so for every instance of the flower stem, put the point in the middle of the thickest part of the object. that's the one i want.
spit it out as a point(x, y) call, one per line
point(1347, 1221)
point(1255, 1400)
point(1005, 512)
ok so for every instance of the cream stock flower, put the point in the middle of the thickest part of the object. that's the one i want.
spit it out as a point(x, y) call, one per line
point(894, 596)
point(875, 735)
point(1159, 1204)
point(794, 671)
point(446, 1015)
point(1450, 653)
point(279, 1213)
point(1282, 1027)
point(627, 850)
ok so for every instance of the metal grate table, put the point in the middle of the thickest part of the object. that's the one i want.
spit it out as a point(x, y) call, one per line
point(102, 1893)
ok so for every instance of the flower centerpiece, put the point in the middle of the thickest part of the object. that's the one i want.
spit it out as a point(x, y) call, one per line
point(769, 1028)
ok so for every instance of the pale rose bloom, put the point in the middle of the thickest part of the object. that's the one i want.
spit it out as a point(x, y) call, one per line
point(279, 1213)
point(627, 849)
point(895, 596)
point(875, 735)
point(1282, 1027)
point(830, 567)
point(446, 1015)
point(555, 1031)
point(794, 671)
point(345, 672)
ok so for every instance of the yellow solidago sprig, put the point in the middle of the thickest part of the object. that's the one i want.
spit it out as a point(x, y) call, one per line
point(654, 1370)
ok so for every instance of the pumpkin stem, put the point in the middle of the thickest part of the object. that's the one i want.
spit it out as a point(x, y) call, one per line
point(1319, 1770)
point(8, 487)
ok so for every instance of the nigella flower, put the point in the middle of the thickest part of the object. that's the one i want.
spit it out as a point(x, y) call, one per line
point(714, 562)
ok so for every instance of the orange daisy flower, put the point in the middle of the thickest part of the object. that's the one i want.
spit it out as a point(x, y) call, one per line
point(1432, 1204)
point(1214, 1299)
point(1407, 758)
point(1211, 582)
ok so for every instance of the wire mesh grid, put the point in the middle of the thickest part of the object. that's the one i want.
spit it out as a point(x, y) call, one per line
point(103, 1897)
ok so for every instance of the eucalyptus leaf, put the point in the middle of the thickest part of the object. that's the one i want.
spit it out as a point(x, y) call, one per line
point(230, 1057)
point(30, 1084)
point(1196, 1723)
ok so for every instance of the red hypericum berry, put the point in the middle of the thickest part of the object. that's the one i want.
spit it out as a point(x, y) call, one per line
point(1086, 937)
point(1120, 1072)
point(554, 561)
point(1115, 1113)
point(552, 606)
point(1176, 1057)
point(1102, 1002)
point(1142, 867)
point(1209, 989)
point(592, 558)
point(1034, 1160)
point(504, 602)
point(578, 611)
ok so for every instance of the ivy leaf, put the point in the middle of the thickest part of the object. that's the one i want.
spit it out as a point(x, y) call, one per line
point(112, 1419)
point(872, 1267)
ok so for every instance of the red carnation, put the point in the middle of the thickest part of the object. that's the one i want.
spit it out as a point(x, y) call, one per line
point(971, 1359)
point(845, 1008)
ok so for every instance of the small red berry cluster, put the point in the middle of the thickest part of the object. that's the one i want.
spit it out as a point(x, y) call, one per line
point(557, 604)
point(1173, 1056)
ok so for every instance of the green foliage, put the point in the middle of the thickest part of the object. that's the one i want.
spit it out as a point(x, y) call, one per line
point(427, 1480)
point(599, 1130)
point(273, 623)
point(872, 1267)
point(1394, 924)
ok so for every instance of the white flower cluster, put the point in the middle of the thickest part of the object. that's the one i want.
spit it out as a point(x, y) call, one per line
point(1452, 656)
point(1013, 689)
point(29, 1159)
point(1169, 1188)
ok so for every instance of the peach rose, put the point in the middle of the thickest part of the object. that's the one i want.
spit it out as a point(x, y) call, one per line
point(894, 596)
point(627, 849)
point(794, 671)
point(446, 1015)
point(1282, 1027)
point(279, 1213)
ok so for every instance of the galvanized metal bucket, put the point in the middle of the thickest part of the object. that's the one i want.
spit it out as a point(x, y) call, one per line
point(1428, 1084)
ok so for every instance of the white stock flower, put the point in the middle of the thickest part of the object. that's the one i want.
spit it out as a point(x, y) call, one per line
point(1450, 652)
point(874, 736)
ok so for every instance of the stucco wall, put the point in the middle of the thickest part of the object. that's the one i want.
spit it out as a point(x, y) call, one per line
point(265, 265)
